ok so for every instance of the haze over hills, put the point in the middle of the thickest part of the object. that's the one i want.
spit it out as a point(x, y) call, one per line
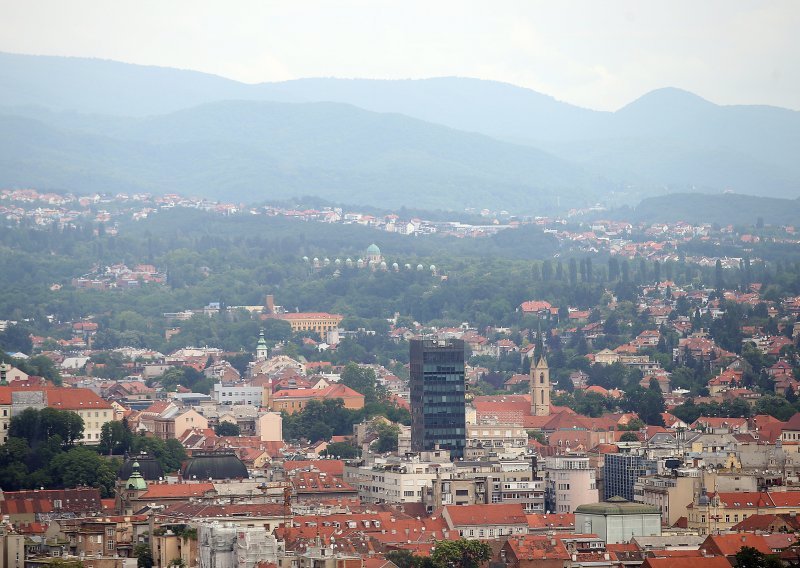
point(667, 140)
point(725, 209)
point(251, 151)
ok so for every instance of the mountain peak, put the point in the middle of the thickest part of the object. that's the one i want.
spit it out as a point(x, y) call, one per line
point(667, 98)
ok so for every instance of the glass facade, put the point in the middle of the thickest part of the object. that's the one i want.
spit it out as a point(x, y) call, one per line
point(437, 396)
point(620, 472)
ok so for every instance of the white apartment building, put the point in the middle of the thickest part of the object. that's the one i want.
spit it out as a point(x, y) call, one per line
point(404, 480)
point(570, 482)
point(490, 482)
point(238, 394)
point(497, 438)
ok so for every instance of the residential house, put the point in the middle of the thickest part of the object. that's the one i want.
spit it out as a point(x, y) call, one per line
point(486, 521)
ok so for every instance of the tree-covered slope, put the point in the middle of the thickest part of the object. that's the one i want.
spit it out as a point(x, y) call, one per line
point(252, 151)
point(723, 209)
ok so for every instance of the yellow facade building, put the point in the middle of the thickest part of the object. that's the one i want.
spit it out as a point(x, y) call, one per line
point(317, 322)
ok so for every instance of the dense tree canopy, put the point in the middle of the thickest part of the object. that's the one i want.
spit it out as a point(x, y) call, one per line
point(38, 426)
point(227, 429)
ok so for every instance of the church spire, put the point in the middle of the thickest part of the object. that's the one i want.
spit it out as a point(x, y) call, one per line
point(261, 347)
point(538, 351)
point(540, 380)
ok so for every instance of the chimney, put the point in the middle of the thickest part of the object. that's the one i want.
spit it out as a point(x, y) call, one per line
point(269, 304)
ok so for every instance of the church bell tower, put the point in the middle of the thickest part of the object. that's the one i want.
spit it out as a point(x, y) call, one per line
point(540, 384)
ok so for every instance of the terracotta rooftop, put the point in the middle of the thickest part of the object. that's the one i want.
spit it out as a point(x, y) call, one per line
point(80, 500)
point(535, 547)
point(201, 510)
point(331, 467)
point(176, 490)
point(687, 562)
point(730, 544)
point(475, 515)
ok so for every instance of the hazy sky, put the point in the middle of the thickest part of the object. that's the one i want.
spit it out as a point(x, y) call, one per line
point(601, 54)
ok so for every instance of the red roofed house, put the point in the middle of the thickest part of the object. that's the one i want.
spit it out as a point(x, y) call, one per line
point(724, 381)
point(132, 500)
point(562, 522)
point(537, 307)
point(294, 400)
point(721, 511)
point(687, 562)
point(313, 485)
point(729, 544)
point(318, 322)
point(486, 521)
point(720, 425)
point(769, 524)
point(780, 368)
point(766, 428)
point(535, 551)
point(790, 432)
point(93, 410)
point(23, 506)
point(130, 390)
point(331, 467)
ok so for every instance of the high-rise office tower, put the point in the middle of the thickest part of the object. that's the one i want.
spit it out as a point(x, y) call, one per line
point(437, 396)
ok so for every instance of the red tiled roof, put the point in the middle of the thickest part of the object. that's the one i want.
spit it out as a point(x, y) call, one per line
point(306, 315)
point(331, 467)
point(622, 547)
point(559, 520)
point(535, 306)
point(62, 398)
point(785, 498)
point(333, 391)
point(157, 407)
point(204, 511)
point(500, 514)
point(793, 423)
point(502, 403)
point(777, 542)
point(319, 483)
point(719, 422)
point(687, 562)
point(673, 553)
point(730, 544)
point(80, 500)
point(176, 490)
point(535, 547)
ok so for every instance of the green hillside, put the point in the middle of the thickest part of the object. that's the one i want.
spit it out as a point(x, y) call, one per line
point(249, 151)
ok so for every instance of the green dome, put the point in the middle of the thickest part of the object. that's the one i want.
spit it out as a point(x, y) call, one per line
point(136, 481)
point(373, 250)
point(618, 506)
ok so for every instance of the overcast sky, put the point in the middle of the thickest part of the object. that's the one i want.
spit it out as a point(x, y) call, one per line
point(598, 54)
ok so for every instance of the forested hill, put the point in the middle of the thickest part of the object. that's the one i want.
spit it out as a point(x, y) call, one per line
point(722, 209)
point(666, 139)
point(253, 151)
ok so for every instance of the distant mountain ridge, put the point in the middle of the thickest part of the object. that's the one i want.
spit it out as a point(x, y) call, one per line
point(723, 209)
point(667, 139)
point(251, 151)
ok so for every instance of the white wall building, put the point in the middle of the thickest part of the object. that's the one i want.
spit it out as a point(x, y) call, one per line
point(398, 480)
point(238, 394)
point(617, 520)
point(570, 481)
